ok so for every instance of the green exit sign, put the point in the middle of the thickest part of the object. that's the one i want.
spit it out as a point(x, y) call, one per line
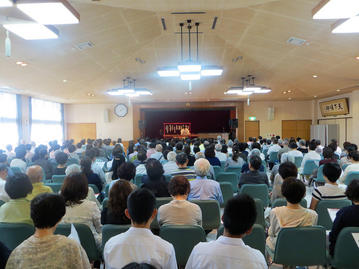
point(252, 118)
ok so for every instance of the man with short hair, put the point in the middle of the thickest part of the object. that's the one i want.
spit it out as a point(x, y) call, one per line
point(253, 176)
point(311, 155)
point(274, 148)
point(183, 170)
point(138, 244)
point(291, 154)
point(229, 250)
point(3, 175)
point(170, 166)
point(35, 175)
point(158, 154)
point(203, 188)
point(220, 155)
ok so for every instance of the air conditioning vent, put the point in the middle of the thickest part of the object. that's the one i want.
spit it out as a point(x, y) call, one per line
point(296, 41)
point(84, 45)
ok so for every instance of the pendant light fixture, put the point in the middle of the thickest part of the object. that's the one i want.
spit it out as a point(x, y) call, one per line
point(129, 89)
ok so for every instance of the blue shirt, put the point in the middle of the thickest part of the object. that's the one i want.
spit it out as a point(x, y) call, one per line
point(205, 189)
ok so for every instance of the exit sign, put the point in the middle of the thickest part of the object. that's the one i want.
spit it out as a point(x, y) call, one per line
point(252, 118)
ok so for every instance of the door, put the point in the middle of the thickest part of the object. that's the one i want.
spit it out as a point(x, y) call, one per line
point(251, 129)
point(78, 131)
point(296, 128)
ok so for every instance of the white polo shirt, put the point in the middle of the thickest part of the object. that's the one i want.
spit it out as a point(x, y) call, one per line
point(225, 253)
point(139, 245)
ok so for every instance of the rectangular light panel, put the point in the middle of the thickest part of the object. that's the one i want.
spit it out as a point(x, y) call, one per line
point(50, 12)
point(211, 72)
point(168, 73)
point(251, 89)
point(189, 67)
point(348, 26)
point(31, 31)
point(238, 92)
point(336, 9)
point(6, 3)
point(190, 76)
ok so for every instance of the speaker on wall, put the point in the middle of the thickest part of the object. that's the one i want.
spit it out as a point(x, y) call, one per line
point(233, 123)
point(270, 113)
point(106, 115)
point(141, 124)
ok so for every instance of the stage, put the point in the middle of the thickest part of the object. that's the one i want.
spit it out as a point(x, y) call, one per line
point(200, 135)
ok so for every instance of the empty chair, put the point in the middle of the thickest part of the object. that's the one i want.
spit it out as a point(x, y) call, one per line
point(283, 202)
point(13, 234)
point(210, 213)
point(229, 177)
point(110, 230)
point(346, 250)
point(227, 192)
point(217, 170)
point(86, 238)
point(260, 212)
point(300, 246)
point(183, 238)
point(323, 214)
point(259, 191)
point(256, 239)
point(56, 187)
point(298, 161)
point(350, 176)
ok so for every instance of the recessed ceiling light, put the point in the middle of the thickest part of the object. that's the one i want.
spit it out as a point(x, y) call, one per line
point(338, 90)
point(24, 64)
point(315, 96)
point(357, 57)
point(19, 62)
point(289, 91)
point(90, 94)
point(290, 98)
point(284, 92)
point(64, 81)
point(315, 76)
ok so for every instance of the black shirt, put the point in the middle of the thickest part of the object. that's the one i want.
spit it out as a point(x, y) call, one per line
point(159, 187)
point(253, 177)
point(108, 218)
point(94, 179)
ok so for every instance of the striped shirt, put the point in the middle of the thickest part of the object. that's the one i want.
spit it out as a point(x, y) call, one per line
point(186, 172)
point(329, 192)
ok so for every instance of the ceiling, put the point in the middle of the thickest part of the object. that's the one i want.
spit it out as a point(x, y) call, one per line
point(256, 31)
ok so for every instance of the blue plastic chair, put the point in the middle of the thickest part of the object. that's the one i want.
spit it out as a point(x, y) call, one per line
point(309, 167)
point(58, 178)
point(350, 176)
point(229, 177)
point(322, 210)
point(320, 177)
point(259, 191)
point(298, 161)
point(217, 170)
point(346, 251)
point(273, 157)
point(13, 234)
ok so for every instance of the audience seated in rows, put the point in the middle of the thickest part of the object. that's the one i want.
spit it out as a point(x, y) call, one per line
point(155, 180)
point(3, 175)
point(138, 244)
point(78, 209)
point(35, 175)
point(158, 153)
point(302, 146)
point(114, 213)
point(286, 170)
point(345, 159)
point(17, 210)
point(311, 155)
point(291, 215)
point(229, 250)
point(41, 158)
point(211, 156)
point(171, 165)
point(222, 157)
point(235, 161)
point(203, 188)
point(354, 165)
point(45, 250)
point(179, 211)
point(347, 216)
point(183, 170)
point(253, 176)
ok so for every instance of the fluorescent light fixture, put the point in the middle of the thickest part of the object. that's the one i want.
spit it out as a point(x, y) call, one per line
point(32, 31)
point(238, 91)
point(6, 3)
point(49, 11)
point(190, 76)
point(143, 92)
point(135, 94)
point(336, 9)
point(211, 71)
point(120, 91)
point(251, 89)
point(347, 27)
point(189, 67)
point(263, 90)
point(168, 73)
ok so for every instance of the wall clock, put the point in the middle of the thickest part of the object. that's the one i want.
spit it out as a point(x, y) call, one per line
point(121, 110)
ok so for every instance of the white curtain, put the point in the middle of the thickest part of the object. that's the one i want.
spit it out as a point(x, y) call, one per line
point(8, 120)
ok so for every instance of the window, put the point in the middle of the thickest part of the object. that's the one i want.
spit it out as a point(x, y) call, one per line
point(8, 120)
point(46, 121)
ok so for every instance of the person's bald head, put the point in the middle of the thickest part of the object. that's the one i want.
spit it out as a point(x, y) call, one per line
point(34, 173)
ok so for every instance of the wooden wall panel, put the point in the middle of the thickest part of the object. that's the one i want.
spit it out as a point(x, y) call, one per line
point(296, 128)
point(251, 129)
point(78, 131)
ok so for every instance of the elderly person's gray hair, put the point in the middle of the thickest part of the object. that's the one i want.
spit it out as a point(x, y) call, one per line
point(158, 148)
point(218, 147)
point(285, 142)
point(201, 167)
point(302, 142)
point(171, 156)
point(200, 155)
point(230, 143)
point(72, 168)
point(255, 152)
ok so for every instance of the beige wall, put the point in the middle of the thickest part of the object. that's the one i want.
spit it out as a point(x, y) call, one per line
point(95, 113)
point(283, 110)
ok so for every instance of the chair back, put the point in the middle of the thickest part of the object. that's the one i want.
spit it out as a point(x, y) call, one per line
point(58, 178)
point(13, 234)
point(168, 178)
point(107, 189)
point(210, 213)
point(138, 180)
point(227, 192)
point(111, 230)
point(183, 238)
point(298, 161)
point(94, 188)
point(223, 164)
point(105, 203)
point(159, 201)
point(292, 247)
point(236, 170)
point(256, 239)
point(259, 191)
point(86, 238)
point(260, 212)
point(309, 167)
point(217, 170)
point(72, 161)
point(283, 202)
point(350, 176)
point(56, 187)
point(273, 157)
point(1, 202)
point(324, 218)
point(346, 249)
point(320, 177)
point(229, 177)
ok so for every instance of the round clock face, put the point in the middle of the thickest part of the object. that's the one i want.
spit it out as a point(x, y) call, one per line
point(121, 110)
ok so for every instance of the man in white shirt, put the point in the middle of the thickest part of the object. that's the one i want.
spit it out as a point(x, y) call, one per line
point(170, 166)
point(274, 148)
point(138, 244)
point(3, 175)
point(220, 155)
point(19, 160)
point(291, 154)
point(158, 154)
point(311, 155)
point(229, 250)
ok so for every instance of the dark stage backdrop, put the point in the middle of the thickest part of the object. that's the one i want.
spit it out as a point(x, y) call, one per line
point(202, 121)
